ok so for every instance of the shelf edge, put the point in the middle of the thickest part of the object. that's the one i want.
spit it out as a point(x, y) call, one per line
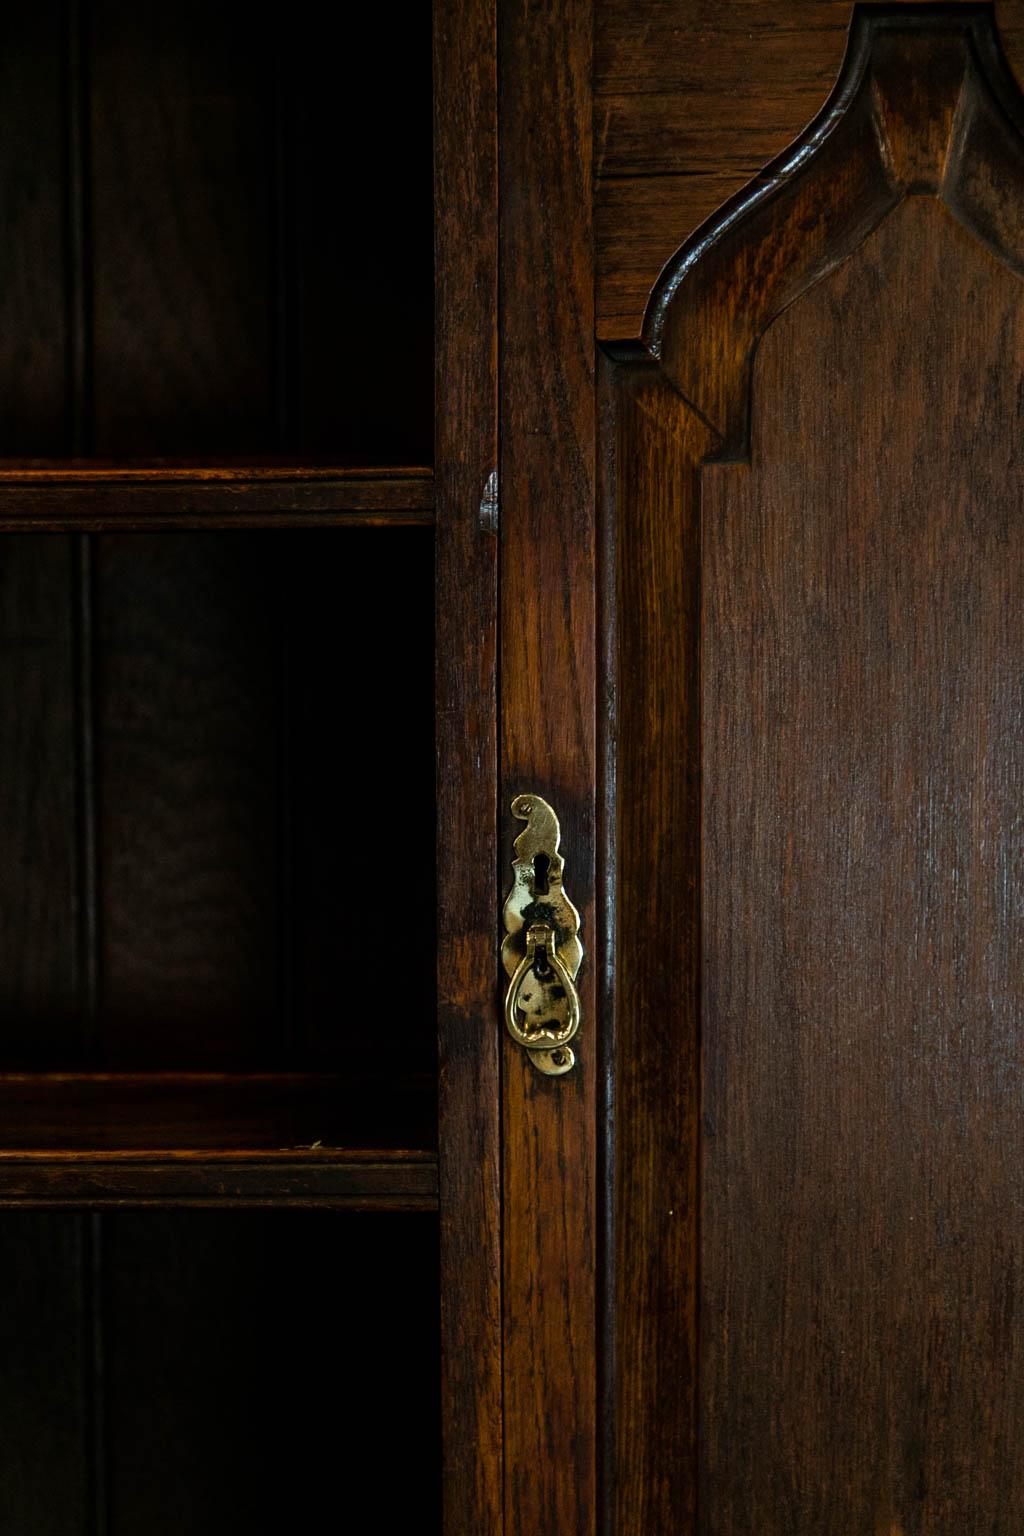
point(357, 1180)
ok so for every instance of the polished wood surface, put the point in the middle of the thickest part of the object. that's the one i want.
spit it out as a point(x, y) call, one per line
point(862, 652)
point(692, 101)
point(303, 1177)
point(548, 743)
point(652, 781)
point(45, 496)
point(824, 1099)
point(466, 873)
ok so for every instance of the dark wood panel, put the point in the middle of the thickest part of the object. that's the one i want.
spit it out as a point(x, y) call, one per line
point(466, 864)
point(46, 1448)
point(40, 956)
point(182, 142)
point(188, 680)
point(95, 1111)
point(370, 1180)
point(33, 319)
point(251, 1368)
point(862, 706)
point(857, 1209)
point(548, 742)
point(654, 447)
point(692, 101)
point(43, 497)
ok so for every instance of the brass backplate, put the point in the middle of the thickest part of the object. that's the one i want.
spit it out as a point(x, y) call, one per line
point(541, 950)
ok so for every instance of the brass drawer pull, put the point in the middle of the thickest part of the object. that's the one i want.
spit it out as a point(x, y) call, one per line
point(541, 951)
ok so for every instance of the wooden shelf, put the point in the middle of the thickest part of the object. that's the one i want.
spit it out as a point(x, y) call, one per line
point(275, 1114)
point(337, 1178)
point(90, 497)
point(214, 1138)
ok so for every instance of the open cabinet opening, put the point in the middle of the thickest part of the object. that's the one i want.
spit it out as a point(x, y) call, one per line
point(233, 1371)
point(217, 233)
point(220, 801)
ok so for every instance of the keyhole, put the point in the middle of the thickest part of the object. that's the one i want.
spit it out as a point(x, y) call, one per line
point(541, 865)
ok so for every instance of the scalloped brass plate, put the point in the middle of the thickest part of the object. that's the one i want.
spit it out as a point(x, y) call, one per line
point(541, 950)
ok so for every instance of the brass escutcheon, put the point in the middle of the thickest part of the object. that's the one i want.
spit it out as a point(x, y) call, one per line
point(541, 950)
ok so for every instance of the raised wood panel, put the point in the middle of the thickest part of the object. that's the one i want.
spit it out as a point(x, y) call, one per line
point(842, 354)
point(863, 918)
point(692, 100)
point(652, 614)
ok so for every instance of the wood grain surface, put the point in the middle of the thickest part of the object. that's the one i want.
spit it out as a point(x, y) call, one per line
point(300, 1178)
point(844, 1282)
point(650, 1338)
point(46, 496)
point(548, 655)
point(692, 100)
point(466, 868)
point(862, 925)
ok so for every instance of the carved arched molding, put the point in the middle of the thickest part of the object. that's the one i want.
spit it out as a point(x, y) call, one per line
point(925, 104)
point(826, 568)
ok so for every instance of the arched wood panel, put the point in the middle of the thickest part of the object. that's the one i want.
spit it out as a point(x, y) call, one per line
point(818, 1063)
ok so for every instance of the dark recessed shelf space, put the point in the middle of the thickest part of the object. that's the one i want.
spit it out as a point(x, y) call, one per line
point(218, 1053)
point(217, 800)
point(216, 240)
point(217, 1372)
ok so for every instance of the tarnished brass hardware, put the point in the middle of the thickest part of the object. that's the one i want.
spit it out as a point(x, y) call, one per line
point(541, 951)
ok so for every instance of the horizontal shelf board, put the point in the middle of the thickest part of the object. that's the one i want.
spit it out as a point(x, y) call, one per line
point(144, 1113)
point(337, 1178)
point(89, 497)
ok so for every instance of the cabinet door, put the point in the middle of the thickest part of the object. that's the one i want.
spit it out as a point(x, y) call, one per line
point(816, 487)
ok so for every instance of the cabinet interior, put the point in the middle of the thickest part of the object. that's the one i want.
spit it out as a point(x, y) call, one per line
point(220, 804)
point(217, 833)
point(217, 233)
point(234, 1371)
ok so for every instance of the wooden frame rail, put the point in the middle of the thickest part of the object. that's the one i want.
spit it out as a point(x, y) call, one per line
point(86, 497)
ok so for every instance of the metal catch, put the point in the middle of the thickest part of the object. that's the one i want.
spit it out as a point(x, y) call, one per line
point(541, 951)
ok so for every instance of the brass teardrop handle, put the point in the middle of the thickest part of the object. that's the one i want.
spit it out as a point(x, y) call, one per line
point(541, 950)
